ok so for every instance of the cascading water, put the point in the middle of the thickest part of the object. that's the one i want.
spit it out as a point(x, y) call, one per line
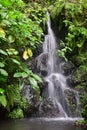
point(63, 98)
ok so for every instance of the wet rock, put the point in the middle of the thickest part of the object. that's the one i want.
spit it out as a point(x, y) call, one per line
point(67, 68)
point(79, 76)
point(43, 89)
point(33, 100)
point(71, 98)
point(41, 64)
point(47, 109)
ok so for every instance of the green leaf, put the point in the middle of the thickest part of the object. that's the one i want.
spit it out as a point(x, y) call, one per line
point(30, 53)
point(24, 75)
point(3, 100)
point(16, 61)
point(17, 75)
point(12, 51)
point(33, 83)
point(1, 65)
point(3, 52)
point(3, 72)
point(27, 70)
point(37, 77)
point(11, 39)
point(21, 83)
point(79, 45)
point(2, 33)
point(2, 91)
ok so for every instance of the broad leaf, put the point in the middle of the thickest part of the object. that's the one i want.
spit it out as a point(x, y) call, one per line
point(3, 100)
point(33, 83)
point(1, 65)
point(37, 78)
point(3, 52)
point(3, 72)
point(24, 75)
point(27, 70)
point(17, 75)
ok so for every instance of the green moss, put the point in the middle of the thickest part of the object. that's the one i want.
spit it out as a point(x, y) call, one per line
point(16, 113)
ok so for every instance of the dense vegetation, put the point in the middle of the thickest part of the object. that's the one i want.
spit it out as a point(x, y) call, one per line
point(21, 30)
point(20, 35)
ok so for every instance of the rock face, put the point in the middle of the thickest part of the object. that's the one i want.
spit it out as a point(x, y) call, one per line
point(71, 98)
point(41, 64)
point(32, 99)
point(47, 109)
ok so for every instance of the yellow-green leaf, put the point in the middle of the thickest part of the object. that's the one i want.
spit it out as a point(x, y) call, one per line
point(2, 33)
point(30, 53)
point(25, 55)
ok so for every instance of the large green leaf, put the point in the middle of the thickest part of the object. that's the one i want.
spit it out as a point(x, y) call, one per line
point(17, 75)
point(34, 84)
point(2, 65)
point(27, 70)
point(3, 100)
point(24, 75)
point(3, 52)
point(37, 77)
point(3, 72)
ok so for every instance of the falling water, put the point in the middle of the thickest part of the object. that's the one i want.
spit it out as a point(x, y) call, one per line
point(58, 91)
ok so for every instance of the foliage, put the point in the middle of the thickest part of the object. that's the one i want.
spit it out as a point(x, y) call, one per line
point(20, 35)
point(31, 77)
point(3, 100)
point(16, 113)
point(71, 15)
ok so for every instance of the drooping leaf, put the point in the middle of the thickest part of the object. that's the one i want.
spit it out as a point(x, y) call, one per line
point(3, 100)
point(21, 83)
point(25, 55)
point(30, 53)
point(2, 33)
point(16, 61)
point(34, 84)
point(37, 78)
point(3, 52)
point(3, 72)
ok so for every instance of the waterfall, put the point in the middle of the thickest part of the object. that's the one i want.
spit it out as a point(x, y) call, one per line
point(63, 98)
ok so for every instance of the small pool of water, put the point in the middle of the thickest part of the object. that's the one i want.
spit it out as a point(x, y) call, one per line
point(39, 124)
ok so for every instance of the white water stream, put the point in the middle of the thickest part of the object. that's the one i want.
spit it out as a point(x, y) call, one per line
point(58, 91)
